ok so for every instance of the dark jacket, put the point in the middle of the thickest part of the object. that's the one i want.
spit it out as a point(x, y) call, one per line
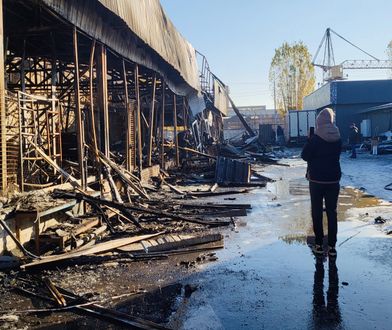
point(354, 134)
point(323, 160)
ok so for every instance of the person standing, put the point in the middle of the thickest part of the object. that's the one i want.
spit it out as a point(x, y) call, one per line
point(184, 141)
point(353, 139)
point(322, 153)
point(374, 145)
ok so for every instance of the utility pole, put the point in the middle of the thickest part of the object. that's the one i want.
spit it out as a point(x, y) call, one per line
point(276, 112)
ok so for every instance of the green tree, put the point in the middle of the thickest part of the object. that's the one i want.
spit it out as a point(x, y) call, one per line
point(291, 76)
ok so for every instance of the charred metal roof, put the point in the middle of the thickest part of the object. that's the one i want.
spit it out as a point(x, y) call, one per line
point(139, 31)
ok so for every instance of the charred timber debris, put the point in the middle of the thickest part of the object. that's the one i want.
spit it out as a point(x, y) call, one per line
point(127, 220)
point(130, 206)
point(111, 152)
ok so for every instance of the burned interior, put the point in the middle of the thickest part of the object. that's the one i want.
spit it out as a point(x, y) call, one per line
point(69, 96)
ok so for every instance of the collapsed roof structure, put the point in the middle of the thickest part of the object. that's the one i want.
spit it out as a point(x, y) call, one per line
point(87, 77)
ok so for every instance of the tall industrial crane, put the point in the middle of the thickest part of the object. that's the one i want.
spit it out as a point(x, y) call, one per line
point(333, 71)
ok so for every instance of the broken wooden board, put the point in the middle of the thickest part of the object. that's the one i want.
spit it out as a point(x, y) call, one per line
point(63, 236)
point(98, 248)
point(173, 188)
point(252, 184)
point(127, 208)
point(124, 175)
point(147, 173)
point(225, 214)
point(67, 176)
point(262, 177)
point(219, 193)
point(215, 205)
point(94, 309)
point(170, 242)
point(87, 238)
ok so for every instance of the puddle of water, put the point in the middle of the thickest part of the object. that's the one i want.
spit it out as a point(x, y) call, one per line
point(266, 270)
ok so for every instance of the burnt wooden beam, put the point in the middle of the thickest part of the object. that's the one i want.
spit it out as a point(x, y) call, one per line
point(163, 126)
point(151, 123)
point(175, 137)
point(128, 142)
point(138, 119)
point(103, 99)
point(184, 113)
point(91, 92)
point(78, 114)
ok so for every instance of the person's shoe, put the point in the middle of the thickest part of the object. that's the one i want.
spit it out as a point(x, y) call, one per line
point(318, 249)
point(332, 251)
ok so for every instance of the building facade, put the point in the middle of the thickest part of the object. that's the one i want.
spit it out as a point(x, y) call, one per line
point(254, 116)
point(349, 100)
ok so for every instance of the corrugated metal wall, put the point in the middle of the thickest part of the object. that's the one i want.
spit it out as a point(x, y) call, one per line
point(140, 31)
point(361, 92)
point(346, 114)
point(381, 121)
point(350, 92)
point(220, 98)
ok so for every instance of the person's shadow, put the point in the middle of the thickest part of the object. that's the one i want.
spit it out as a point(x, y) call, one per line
point(326, 314)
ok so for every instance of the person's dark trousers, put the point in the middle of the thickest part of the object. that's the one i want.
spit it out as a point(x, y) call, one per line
point(328, 192)
point(353, 151)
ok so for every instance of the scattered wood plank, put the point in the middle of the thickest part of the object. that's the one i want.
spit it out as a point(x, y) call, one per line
point(214, 187)
point(131, 218)
point(126, 207)
point(176, 190)
point(262, 177)
point(191, 151)
point(55, 293)
point(181, 241)
point(98, 248)
point(226, 214)
point(85, 226)
point(247, 185)
point(192, 249)
point(113, 188)
point(87, 238)
point(215, 205)
point(67, 176)
point(219, 193)
point(266, 159)
point(123, 174)
point(98, 202)
point(95, 309)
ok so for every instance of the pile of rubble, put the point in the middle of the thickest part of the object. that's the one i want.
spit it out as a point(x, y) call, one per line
point(132, 220)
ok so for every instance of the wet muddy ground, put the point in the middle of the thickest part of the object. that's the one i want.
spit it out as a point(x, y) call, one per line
point(266, 276)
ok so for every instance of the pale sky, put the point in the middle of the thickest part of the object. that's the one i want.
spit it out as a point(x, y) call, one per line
point(239, 37)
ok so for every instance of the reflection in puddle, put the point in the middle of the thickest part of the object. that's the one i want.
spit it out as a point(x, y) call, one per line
point(326, 312)
point(298, 188)
point(296, 210)
point(292, 239)
point(157, 305)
